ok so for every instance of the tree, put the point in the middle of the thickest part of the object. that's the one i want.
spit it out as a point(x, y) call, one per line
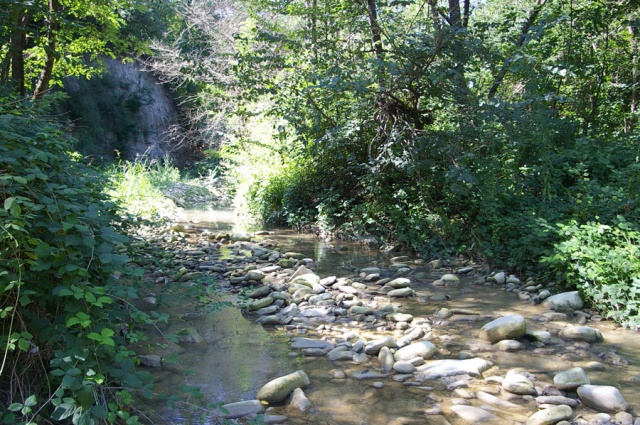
point(43, 41)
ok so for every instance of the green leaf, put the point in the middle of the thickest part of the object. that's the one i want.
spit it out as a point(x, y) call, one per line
point(31, 401)
point(63, 411)
point(14, 407)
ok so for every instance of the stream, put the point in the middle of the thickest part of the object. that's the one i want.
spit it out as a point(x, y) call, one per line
point(237, 356)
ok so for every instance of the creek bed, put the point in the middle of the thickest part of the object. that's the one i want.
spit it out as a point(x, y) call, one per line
point(238, 356)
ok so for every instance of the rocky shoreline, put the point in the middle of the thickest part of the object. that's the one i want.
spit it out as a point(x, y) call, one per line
point(361, 324)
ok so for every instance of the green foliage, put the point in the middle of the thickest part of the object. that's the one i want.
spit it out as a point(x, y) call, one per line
point(63, 297)
point(447, 131)
point(42, 42)
point(603, 262)
point(138, 185)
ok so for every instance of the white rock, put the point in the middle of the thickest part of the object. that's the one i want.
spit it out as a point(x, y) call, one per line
point(603, 397)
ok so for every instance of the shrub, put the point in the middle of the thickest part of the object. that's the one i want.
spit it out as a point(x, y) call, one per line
point(603, 262)
point(63, 299)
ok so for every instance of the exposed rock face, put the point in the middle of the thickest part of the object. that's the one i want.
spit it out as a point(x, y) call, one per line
point(146, 106)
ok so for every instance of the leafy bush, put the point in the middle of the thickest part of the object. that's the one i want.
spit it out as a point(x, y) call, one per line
point(603, 262)
point(63, 297)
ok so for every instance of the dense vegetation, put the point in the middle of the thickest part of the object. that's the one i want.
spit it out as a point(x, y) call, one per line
point(500, 130)
point(503, 131)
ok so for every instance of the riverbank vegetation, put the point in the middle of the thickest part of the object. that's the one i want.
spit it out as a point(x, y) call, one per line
point(499, 131)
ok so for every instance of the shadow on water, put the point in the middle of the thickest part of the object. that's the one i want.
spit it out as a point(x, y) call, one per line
point(238, 356)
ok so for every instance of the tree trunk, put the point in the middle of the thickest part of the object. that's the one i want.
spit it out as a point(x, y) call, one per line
point(17, 47)
point(634, 70)
point(42, 85)
point(376, 36)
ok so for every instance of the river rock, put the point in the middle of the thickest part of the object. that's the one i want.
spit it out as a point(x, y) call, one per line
point(270, 320)
point(424, 349)
point(373, 347)
point(414, 334)
point(571, 379)
point(260, 292)
point(564, 302)
point(500, 278)
point(399, 317)
point(280, 388)
point(449, 279)
point(442, 368)
point(386, 360)
point(299, 401)
point(371, 270)
point(338, 354)
point(360, 309)
point(274, 419)
point(300, 271)
point(254, 275)
point(550, 416)
point(398, 283)
point(272, 309)
point(495, 401)
point(516, 383)
point(602, 397)
point(309, 279)
point(404, 367)
point(556, 399)
point(581, 333)
point(509, 345)
point(260, 303)
point(312, 343)
point(507, 327)
point(400, 293)
point(366, 374)
point(241, 409)
point(475, 415)
point(150, 360)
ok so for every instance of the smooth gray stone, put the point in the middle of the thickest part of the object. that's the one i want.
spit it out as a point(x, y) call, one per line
point(442, 368)
point(507, 327)
point(603, 397)
point(551, 415)
point(311, 343)
point(475, 415)
point(280, 388)
point(241, 408)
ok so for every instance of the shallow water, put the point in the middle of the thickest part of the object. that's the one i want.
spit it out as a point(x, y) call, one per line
point(237, 356)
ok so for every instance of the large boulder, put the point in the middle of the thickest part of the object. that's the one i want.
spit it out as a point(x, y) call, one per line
point(280, 388)
point(507, 327)
point(564, 302)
